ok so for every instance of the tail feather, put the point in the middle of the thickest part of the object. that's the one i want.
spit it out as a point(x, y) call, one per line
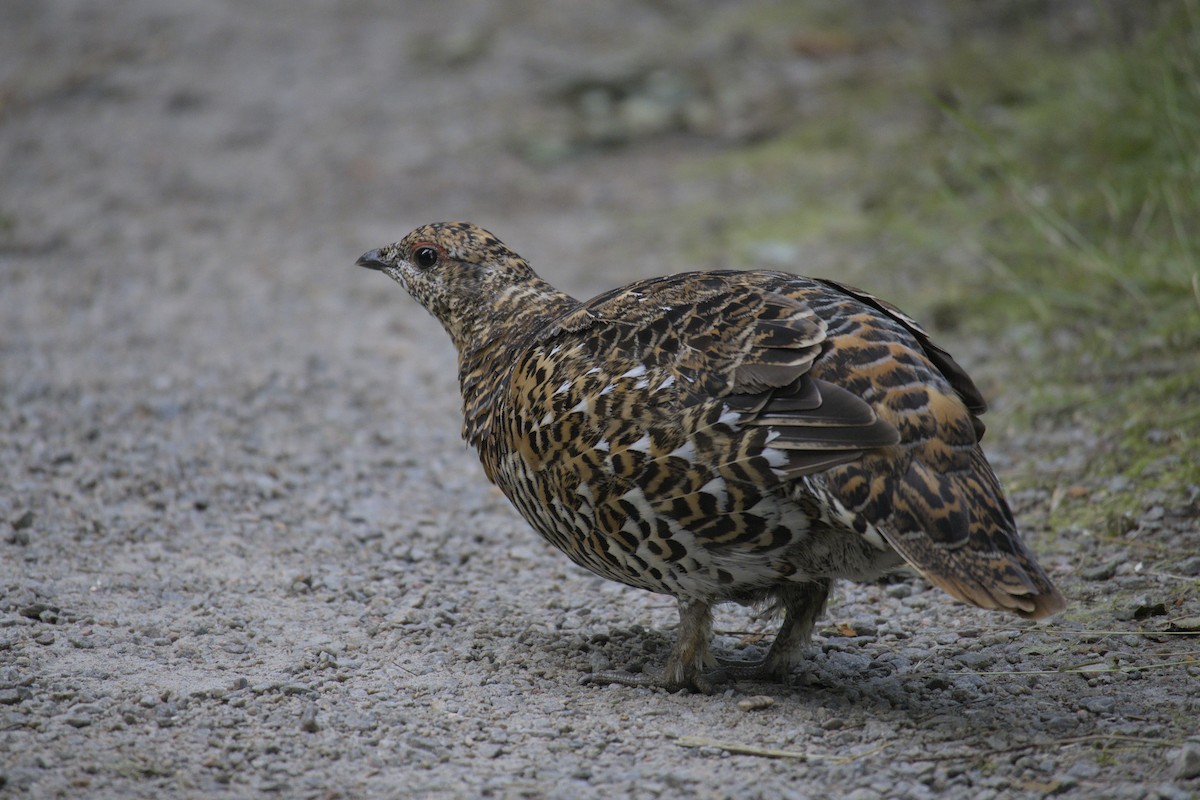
point(957, 530)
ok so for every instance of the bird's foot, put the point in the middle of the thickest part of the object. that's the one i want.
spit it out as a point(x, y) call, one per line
point(766, 670)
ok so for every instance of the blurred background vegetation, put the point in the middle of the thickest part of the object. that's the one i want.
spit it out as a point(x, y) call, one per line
point(1050, 191)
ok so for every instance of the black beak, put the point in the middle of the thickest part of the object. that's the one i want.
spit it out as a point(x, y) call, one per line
point(371, 260)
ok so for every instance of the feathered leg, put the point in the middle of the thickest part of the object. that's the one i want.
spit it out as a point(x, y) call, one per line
point(803, 604)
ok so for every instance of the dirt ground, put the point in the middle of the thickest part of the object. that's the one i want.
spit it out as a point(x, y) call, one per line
point(243, 550)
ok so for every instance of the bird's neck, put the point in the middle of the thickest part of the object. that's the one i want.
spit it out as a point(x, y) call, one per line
point(492, 339)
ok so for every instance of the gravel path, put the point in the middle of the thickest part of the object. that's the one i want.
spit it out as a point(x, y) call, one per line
point(242, 548)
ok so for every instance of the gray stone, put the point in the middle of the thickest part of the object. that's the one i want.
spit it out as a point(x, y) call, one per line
point(1167, 791)
point(1100, 572)
point(1103, 704)
point(308, 720)
point(1185, 762)
point(1189, 566)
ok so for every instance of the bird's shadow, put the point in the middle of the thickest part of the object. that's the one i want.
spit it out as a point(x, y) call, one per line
point(856, 681)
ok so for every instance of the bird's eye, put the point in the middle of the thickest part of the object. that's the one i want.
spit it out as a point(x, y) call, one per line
point(425, 257)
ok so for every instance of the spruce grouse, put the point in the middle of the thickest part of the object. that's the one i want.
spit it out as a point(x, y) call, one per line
point(722, 436)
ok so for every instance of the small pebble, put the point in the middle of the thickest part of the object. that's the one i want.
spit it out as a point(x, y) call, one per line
point(308, 720)
point(976, 661)
point(1101, 572)
point(81, 715)
point(1166, 791)
point(1150, 610)
point(1084, 770)
point(1186, 763)
point(1100, 705)
point(862, 793)
point(164, 715)
point(756, 703)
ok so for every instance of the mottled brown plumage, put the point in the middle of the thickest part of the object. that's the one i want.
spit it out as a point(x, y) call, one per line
point(722, 436)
